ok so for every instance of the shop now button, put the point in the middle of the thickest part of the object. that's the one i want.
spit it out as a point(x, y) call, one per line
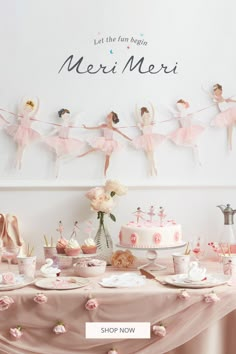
point(117, 329)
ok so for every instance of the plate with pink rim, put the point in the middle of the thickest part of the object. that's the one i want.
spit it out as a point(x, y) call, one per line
point(62, 283)
point(210, 280)
point(19, 282)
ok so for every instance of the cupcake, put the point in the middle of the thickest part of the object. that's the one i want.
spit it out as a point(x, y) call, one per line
point(61, 245)
point(72, 248)
point(89, 246)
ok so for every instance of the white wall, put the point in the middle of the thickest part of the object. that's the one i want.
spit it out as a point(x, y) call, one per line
point(37, 37)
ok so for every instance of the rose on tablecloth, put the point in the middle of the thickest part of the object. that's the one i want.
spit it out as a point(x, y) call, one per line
point(59, 328)
point(5, 302)
point(40, 298)
point(183, 295)
point(91, 304)
point(16, 332)
point(211, 297)
point(8, 278)
point(159, 330)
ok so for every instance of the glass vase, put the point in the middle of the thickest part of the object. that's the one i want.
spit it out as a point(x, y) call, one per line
point(103, 241)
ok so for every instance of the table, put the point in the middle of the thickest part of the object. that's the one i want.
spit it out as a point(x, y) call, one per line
point(193, 326)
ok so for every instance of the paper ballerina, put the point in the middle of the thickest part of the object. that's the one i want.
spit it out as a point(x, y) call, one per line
point(227, 116)
point(188, 132)
point(22, 132)
point(106, 143)
point(147, 141)
point(63, 146)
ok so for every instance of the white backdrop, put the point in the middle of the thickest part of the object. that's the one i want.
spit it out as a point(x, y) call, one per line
point(38, 36)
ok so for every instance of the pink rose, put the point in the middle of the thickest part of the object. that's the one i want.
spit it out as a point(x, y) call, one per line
point(40, 298)
point(16, 332)
point(59, 328)
point(212, 297)
point(5, 302)
point(8, 278)
point(94, 193)
point(113, 351)
point(183, 295)
point(103, 203)
point(159, 330)
point(91, 304)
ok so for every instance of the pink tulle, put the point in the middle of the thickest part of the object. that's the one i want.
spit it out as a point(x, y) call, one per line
point(22, 133)
point(225, 118)
point(148, 141)
point(64, 146)
point(105, 143)
point(186, 135)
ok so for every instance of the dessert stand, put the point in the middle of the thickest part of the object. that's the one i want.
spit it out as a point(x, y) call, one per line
point(151, 255)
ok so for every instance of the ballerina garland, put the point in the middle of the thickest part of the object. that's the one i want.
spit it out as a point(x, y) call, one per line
point(22, 132)
point(227, 116)
point(106, 143)
point(188, 132)
point(147, 141)
point(63, 146)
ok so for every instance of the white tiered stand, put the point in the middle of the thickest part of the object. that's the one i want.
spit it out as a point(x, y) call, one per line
point(151, 255)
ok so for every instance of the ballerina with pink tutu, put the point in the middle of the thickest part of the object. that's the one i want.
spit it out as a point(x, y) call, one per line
point(227, 116)
point(106, 143)
point(22, 132)
point(64, 146)
point(147, 141)
point(188, 132)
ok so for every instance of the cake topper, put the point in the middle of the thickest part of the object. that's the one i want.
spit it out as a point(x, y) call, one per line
point(74, 231)
point(60, 229)
point(151, 213)
point(138, 213)
point(162, 215)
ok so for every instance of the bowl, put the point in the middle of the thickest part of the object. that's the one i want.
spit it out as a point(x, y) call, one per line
point(87, 267)
point(64, 261)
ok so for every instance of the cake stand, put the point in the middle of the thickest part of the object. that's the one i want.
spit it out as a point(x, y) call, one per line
point(151, 255)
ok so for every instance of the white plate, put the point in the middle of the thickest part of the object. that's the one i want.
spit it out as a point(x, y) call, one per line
point(127, 280)
point(62, 283)
point(20, 282)
point(211, 280)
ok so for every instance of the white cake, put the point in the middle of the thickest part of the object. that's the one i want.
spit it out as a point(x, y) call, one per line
point(147, 234)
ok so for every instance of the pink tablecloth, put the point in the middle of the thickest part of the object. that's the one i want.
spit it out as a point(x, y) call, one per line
point(186, 321)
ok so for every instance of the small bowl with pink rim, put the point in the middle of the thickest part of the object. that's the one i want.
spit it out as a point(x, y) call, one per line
point(87, 267)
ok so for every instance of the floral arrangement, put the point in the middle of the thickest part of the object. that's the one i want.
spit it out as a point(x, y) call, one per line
point(122, 259)
point(102, 198)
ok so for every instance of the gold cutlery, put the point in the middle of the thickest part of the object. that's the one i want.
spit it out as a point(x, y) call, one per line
point(150, 275)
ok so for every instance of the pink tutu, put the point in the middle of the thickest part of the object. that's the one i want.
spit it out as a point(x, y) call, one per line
point(108, 146)
point(225, 118)
point(186, 136)
point(148, 142)
point(64, 146)
point(22, 134)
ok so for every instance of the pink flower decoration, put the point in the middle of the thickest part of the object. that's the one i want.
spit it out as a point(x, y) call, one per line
point(159, 330)
point(16, 332)
point(176, 236)
point(40, 298)
point(183, 295)
point(8, 278)
point(91, 304)
point(5, 302)
point(59, 328)
point(133, 238)
point(157, 238)
point(212, 297)
point(113, 351)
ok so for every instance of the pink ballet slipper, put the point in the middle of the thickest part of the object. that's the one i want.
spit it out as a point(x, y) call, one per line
point(12, 233)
